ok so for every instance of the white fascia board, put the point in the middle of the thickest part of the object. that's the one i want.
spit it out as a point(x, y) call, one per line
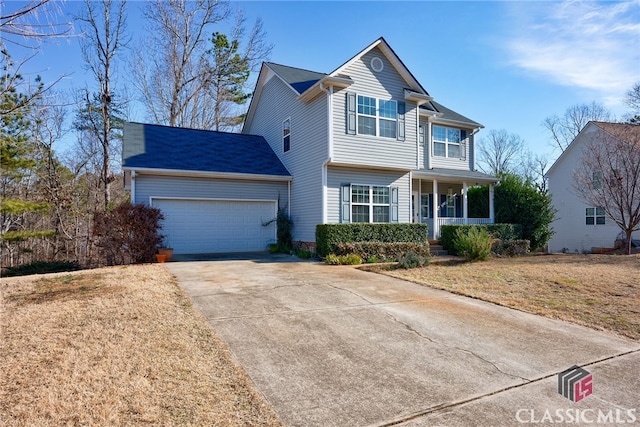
point(417, 97)
point(468, 179)
point(466, 125)
point(204, 174)
point(316, 89)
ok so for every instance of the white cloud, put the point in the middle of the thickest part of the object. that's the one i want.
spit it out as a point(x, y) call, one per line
point(590, 45)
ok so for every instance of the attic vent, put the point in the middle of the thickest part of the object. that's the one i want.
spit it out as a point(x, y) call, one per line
point(376, 64)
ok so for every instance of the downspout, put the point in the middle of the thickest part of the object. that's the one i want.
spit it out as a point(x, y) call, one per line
point(133, 187)
point(427, 142)
point(329, 93)
point(472, 138)
point(289, 198)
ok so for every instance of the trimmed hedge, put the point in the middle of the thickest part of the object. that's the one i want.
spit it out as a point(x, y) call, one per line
point(328, 236)
point(384, 252)
point(504, 232)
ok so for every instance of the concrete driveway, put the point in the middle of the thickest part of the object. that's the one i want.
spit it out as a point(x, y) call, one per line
point(336, 346)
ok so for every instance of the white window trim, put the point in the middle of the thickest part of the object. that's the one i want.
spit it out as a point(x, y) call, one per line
point(284, 136)
point(595, 216)
point(371, 203)
point(446, 142)
point(378, 118)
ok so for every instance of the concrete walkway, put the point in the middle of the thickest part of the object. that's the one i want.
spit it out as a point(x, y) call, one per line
point(336, 346)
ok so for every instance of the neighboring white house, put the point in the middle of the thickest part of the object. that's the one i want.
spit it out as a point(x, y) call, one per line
point(364, 143)
point(580, 227)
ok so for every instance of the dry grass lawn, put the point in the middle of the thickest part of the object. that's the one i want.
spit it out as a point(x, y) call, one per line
point(115, 346)
point(599, 291)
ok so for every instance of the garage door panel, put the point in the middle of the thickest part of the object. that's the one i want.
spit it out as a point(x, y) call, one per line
point(215, 226)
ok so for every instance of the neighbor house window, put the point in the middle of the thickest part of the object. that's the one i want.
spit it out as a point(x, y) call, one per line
point(596, 180)
point(377, 117)
point(594, 216)
point(369, 203)
point(286, 135)
point(447, 142)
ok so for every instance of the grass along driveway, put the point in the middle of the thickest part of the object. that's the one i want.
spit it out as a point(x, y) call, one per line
point(115, 346)
point(599, 291)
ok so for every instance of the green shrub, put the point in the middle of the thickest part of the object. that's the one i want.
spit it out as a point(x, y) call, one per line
point(304, 254)
point(412, 260)
point(386, 252)
point(41, 267)
point(474, 243)
point(284, 229)
point(519, 200)
point(504, 232)
point(349, 259)
point(328, 236)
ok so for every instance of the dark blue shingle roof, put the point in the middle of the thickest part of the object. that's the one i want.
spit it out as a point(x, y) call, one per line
point(164, 147)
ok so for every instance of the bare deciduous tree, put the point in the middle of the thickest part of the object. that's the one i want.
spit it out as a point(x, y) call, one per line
point(104, 24)
point(500, 151)
point(169, 75)
point(535, 169)
point(633, 101)
point(190, 74)
point(608, 175)
point(563, 129)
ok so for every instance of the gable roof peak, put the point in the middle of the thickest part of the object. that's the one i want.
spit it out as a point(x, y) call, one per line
point(392, 57)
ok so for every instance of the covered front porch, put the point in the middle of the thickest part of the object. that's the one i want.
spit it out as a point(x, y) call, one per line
point(440, 197)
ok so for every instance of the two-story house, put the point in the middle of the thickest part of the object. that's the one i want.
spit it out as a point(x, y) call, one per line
point(579, 227)
point(364, 143)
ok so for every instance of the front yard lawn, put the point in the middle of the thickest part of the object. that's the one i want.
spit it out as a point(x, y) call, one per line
point(116, 346)
point(599, 291)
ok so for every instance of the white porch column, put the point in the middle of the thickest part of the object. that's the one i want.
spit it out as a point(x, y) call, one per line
point(491, 210)
point(436, 227)
point(465, 207)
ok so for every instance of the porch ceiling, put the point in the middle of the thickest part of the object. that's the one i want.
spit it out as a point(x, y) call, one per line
point(471, 177)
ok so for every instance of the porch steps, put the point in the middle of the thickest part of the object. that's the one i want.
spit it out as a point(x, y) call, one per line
point(436, 248)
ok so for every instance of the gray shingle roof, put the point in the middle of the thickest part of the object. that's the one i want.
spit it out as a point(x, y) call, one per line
point(448, 114)
point(297, 78)
point(172, 148)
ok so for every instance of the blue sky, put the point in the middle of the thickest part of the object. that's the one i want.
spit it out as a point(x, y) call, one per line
point(506, 64)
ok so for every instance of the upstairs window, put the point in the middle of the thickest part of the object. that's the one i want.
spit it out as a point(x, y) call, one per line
point(594, 216)
point(286, 135)
point(447, 142)
point(596, 180)
point(367, 115)
point(377, 117)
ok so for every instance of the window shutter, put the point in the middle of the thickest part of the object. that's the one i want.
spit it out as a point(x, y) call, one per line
point(458, 206)
point(345, 203)
point(351, 113)
point(394, 204)
point(463, 145)
point(401, 111)
point(430, 205)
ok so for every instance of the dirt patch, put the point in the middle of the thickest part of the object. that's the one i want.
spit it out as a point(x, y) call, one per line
point(115, 346)
point(599, 291)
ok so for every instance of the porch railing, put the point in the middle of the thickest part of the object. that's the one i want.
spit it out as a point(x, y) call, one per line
point(462, 221)
point(454, 221)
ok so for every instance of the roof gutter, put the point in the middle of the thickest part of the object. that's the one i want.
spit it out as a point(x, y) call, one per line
point(320, 86)
point(203, 174)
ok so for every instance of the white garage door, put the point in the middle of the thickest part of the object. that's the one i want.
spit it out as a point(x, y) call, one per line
point(216, 226)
